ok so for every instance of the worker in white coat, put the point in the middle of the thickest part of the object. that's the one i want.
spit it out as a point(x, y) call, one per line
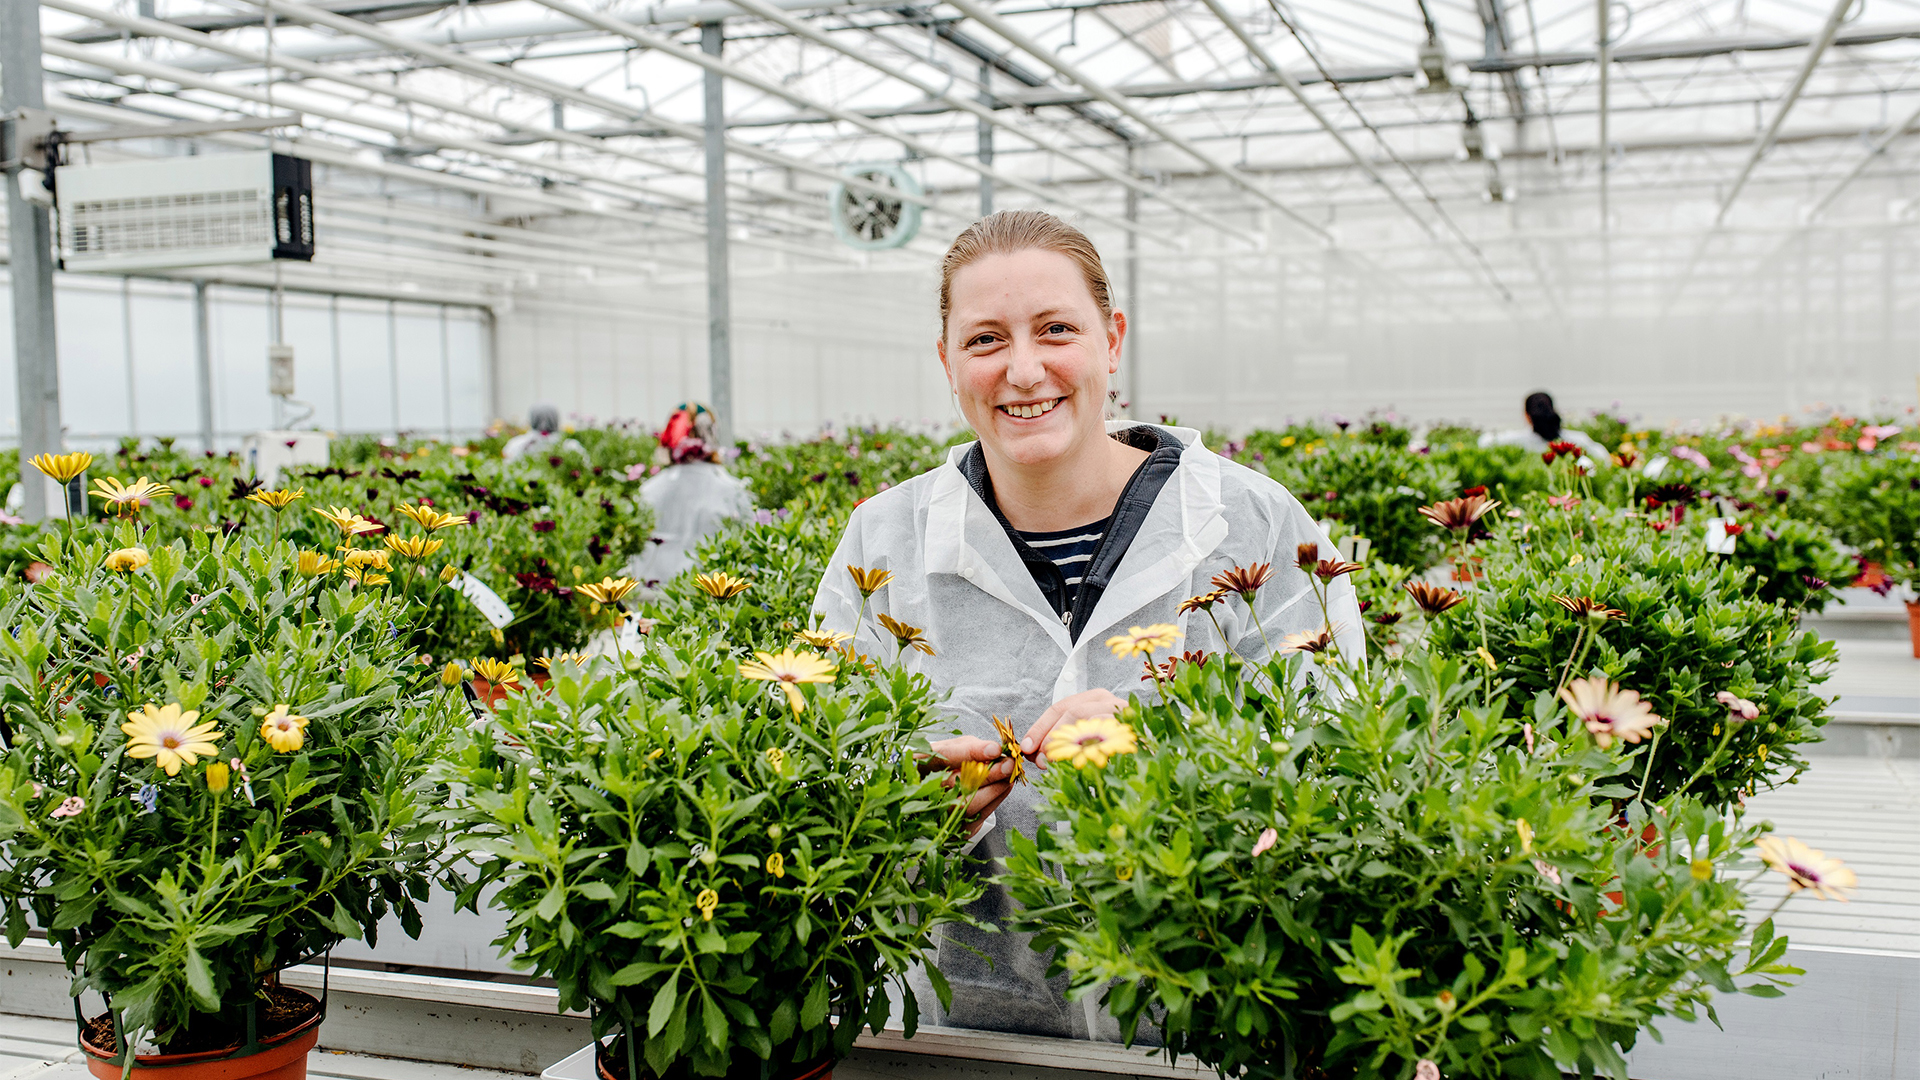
point(693, 497)
point(1029, 548)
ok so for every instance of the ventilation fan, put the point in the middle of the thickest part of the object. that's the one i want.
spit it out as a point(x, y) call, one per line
point(870, 221)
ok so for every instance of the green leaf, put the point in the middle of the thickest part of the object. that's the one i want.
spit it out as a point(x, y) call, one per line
point(814, 1012)
point(663, 1002)
point(200, 980)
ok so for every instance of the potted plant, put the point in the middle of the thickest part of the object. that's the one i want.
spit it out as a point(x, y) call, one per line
point(212, 770)
point(716, 868)
point(1873, 502)
point(1406, 879)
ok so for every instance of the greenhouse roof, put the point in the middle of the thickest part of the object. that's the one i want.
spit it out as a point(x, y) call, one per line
point(1449, 147)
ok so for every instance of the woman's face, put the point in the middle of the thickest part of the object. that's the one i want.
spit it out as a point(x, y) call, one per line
point(1028, 354)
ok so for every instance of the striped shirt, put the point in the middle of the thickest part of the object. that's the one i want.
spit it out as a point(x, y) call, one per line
point(1070, 550)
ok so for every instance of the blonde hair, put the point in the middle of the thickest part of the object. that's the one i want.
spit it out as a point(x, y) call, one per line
point(1010, 231)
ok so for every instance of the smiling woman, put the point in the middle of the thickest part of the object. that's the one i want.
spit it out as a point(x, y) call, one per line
point(1046, 563)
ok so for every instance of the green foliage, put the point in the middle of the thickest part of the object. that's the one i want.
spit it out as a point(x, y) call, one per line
point(783, 554)
point(1374, 491)
point(832, 473)
point(1692, 628)
point(1507, 472)
point(1296, 887)
point(1789, 560)
point(607, 809)
point(169, 892)
point(1872, 501)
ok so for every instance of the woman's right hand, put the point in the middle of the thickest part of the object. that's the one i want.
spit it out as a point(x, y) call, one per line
point(951, 753)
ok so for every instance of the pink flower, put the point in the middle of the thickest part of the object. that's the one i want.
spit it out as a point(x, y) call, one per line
point(1688, 453)
point(1426, 1070)
point(1810, 447)
point(1880, 431)
point(1268, 837)
point(1547, 870)
point(1527, 729)
point(636, 470)
point(1738, 706)
point(9, 519)
point(69, 808)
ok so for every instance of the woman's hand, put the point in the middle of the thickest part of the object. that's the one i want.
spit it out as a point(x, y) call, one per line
point(1079, 706)
point(951, 753)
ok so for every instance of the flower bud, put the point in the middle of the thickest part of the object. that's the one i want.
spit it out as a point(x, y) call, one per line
point(452, 675)
point(218, 777)
point(63, 740)
point(1444, 999)
point(708, 858)
point(774, 831)
point(271, 862)
point(259, 712)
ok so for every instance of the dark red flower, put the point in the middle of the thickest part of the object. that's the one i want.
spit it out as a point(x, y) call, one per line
point(181, 502)
point(535, 582)
point(1477, 489)
point(544, 526)
point(206, 481)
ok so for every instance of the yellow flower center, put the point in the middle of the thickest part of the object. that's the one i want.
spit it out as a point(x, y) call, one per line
point(170, 741)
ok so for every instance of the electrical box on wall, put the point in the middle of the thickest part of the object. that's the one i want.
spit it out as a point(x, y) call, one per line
point(192, 211)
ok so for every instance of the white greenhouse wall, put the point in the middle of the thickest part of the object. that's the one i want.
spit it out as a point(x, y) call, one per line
point(127, 362)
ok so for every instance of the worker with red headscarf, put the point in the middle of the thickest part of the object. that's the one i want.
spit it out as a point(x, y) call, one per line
point(692, 498)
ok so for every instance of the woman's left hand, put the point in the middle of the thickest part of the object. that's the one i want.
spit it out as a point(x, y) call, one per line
point(1078, 706)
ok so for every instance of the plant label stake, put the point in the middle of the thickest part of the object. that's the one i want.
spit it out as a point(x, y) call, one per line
point(491, 607)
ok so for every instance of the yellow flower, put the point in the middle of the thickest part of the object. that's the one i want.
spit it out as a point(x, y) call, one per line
point(577, 659)
point(973, 774)
point(1806, 868)
point(452, 675)
point(62, 467)
point(169, 736)
point(609, 591)
point(1526, 835)
point(909, 637)
point(448, 573)
point(126, 498)
point(349, 522)
point(362, 559)
point(497, 672)
point(721, 585)
point(218, 776)
point(428, 518)
point(128, 559)
point(789, 669)
point(777, 865)
point(1090, 742)
point(869, 581)
point(363, 577)
point(313, 563)
point(277, 500)
point(414, 547)
point(706, 902)
point(822, 639)
point(1010, 747)
point(1139, 640)
point(777, 759)
point(283, 732)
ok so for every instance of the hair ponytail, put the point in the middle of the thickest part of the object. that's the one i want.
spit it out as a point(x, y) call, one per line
point(1543, 417)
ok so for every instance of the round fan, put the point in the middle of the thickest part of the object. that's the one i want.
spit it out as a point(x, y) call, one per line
point(871, 221)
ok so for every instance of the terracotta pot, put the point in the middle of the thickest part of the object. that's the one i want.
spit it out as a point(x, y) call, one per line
point(1647, 837)
point(491, 695)
point(819, 1070)
point(1913, 626)
point(282, 1057)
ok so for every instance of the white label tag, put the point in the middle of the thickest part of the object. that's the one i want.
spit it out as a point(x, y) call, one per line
point(1355, 548)
point(492, 608)
point(1719, 541)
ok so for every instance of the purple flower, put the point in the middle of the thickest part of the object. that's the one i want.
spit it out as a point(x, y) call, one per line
point(146, 798)
point(763, 517)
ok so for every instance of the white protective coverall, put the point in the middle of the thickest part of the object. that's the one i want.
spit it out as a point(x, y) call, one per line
point(690, 501)
point(1001, 651)
point(1531, 440)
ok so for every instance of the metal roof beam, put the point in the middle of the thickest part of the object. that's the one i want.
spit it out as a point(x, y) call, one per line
point(548, 88)
point(530, 133)
point(980, 14)
point(722, 66)
point(764, 10)
point(1765, 142)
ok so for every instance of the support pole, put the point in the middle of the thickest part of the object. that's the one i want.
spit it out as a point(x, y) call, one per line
point(1130, 349)
point(1604, 54)
point(30, 251)
point(719, 300)
point(986, 146)
point(203, 363)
